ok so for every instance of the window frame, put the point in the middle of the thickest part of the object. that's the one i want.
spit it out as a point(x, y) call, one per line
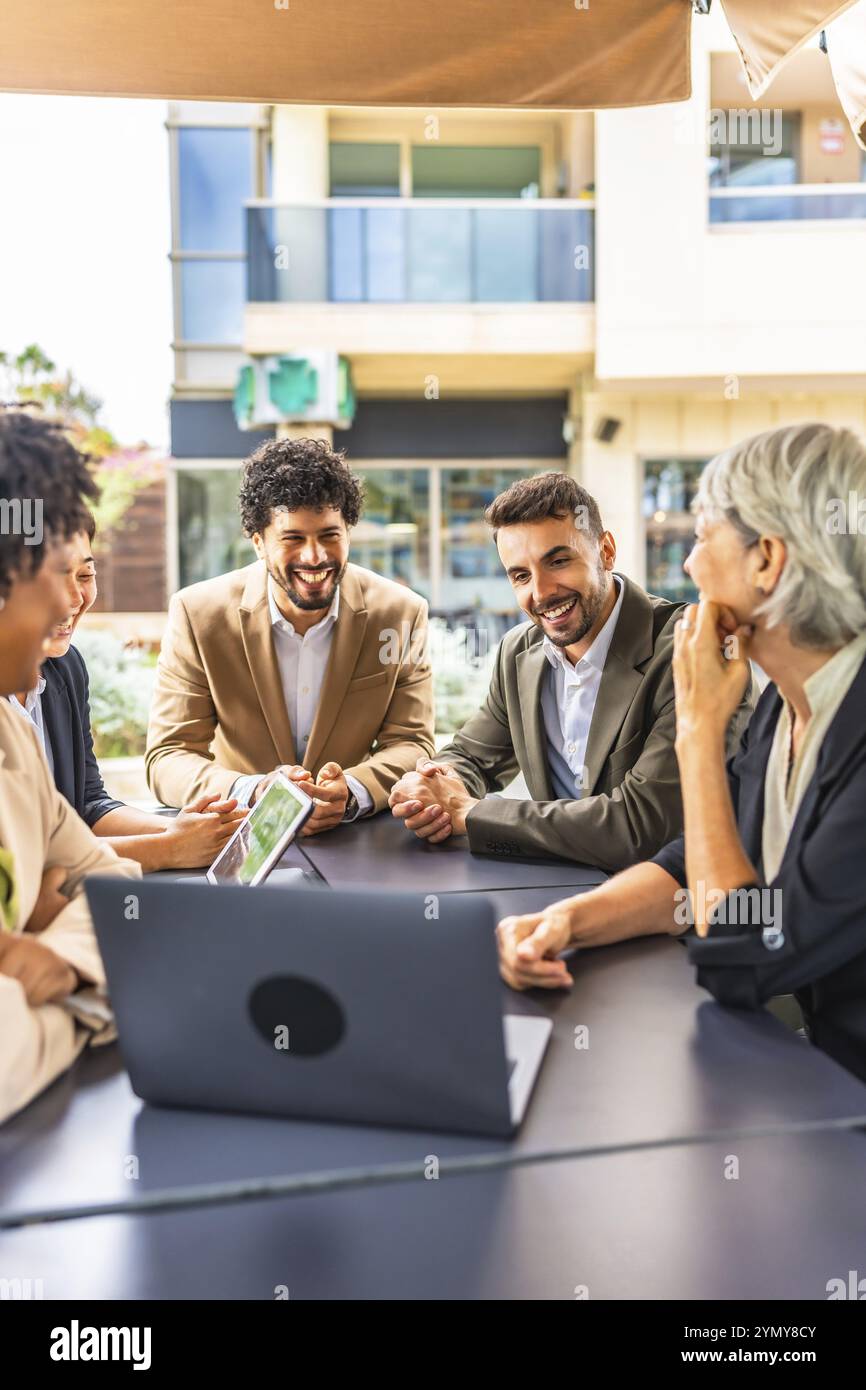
point(258, 134)
point(435, 466)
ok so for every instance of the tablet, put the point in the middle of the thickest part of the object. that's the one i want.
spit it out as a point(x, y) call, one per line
point(261, 840)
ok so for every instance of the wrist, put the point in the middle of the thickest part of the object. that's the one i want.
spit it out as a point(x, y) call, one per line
point(170, 850)
point(696, 738)
point(575, 915)
point(459, 814)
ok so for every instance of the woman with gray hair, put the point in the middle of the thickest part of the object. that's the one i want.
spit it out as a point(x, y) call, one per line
point(771, 868)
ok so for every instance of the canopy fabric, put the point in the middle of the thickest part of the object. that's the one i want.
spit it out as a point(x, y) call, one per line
point(522, 53)
point(769, 32)
point(846, 43)
point(542, 54)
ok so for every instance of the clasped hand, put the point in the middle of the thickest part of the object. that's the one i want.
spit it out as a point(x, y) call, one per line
point(432, 801)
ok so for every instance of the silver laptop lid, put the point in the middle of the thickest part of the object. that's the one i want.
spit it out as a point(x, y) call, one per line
point(308, 1002)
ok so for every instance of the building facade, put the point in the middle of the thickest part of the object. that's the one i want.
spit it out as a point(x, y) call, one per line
point(620, 295)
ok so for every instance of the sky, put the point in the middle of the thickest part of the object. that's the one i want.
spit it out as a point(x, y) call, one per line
point(84, 242)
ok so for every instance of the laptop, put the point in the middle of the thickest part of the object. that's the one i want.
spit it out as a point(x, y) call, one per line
point(313, 1003)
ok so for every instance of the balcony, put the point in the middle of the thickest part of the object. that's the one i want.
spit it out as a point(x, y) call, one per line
point(803, 202)
point(433, 294)
point(421, 251)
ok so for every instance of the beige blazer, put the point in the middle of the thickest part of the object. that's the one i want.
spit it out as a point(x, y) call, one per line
point(218, 709)
point(41, 831)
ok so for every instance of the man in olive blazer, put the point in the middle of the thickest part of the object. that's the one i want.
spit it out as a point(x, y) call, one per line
point(600, 768)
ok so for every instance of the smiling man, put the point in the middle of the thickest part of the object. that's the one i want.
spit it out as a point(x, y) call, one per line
point(289, 663)
point(581, 702)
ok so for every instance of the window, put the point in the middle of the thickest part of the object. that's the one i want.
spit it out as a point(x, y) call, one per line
point(364, 170)
point(472, 576)
point(212, 301)
point(760, 148)
point(393, 535)
point(422, 526)
point(475, 171)
point(209, 531)
point(669, 487)
point(396, 250)
point(217, 170)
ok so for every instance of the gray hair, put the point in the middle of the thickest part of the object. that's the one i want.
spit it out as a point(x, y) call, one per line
point(786, 483)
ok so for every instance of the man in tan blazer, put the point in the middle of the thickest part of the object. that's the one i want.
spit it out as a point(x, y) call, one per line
point(581, 702)
point(51, 976)
point(300, 661)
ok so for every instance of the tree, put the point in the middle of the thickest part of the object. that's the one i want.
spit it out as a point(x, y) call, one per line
point(31, 378)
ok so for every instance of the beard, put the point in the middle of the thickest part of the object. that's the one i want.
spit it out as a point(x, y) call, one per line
point(586, 612)
point(283, 580)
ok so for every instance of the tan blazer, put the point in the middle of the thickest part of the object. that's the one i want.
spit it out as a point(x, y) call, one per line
point(41, 831)
point(218, 709)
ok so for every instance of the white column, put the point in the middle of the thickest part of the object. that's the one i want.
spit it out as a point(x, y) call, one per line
point(301, 175)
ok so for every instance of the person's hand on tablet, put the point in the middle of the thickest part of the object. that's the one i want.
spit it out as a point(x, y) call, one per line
point(199, 831)
point(294, 774)
point(330, 791)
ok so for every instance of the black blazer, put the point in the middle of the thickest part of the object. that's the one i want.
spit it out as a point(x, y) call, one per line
point(66, 716)
point(821, 956)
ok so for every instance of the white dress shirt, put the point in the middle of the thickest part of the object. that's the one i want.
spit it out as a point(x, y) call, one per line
point(568, 702)
point(302, 660)
point(31, 710)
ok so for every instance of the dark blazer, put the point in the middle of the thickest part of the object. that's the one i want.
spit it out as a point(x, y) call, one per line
point(66, 715)
point(632, 806)
point(821, 956)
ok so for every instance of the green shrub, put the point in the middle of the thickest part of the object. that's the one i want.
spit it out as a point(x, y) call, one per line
point(461, 673)
point(122, 679)
point(121, 688)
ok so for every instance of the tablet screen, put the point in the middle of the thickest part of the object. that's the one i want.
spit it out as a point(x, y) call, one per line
point(260, 840)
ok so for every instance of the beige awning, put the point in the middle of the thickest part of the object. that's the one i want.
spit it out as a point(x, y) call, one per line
point(547, 54)
point(523, 53)
point(846, 44)
point(769, 32)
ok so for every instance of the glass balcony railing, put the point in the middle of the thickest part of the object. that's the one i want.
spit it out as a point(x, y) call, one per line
point(421, 251)
point(801, 202)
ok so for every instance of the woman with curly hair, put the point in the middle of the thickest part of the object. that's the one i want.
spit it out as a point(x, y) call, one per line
point(49, 961)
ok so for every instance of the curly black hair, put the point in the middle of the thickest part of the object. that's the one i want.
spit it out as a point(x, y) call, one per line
point(295, 474)
point(41, 466)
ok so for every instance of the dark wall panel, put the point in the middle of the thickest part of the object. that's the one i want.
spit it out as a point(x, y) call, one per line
point(456, 429)
point(207, 430)
point(394, 429)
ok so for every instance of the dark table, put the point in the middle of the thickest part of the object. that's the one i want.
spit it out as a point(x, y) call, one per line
point(663, 1062)
point(354, 856)
point(666, 1224)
